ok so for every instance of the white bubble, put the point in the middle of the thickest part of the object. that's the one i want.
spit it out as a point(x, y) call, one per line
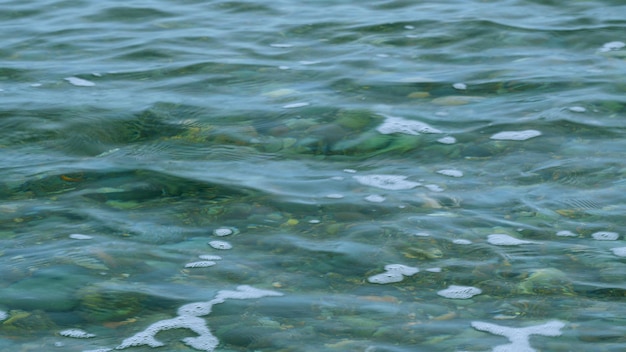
point(399, 125)
point(605, 236)
point(282, 67)
point(334, 196)
point(220, 245)
point(459, 292)
point(389, 182)
point(350, 171)
point(200, 264)
point(409, 27)
point(421, 234)
point(618, 251)
point(461, 241)
point(447, 140)
point(78, 236)
point(305, 62)
point(577, 109)
point(76, 333)
point(459, 86)
point(225, 231)
point(450, 172)
point(566, 233)
point(516, 135)
point(611, 46)
point(402, 269)
point(375, 198)
point(79, 82)
point(295, 105)
point(314, 221)
point(505, 240)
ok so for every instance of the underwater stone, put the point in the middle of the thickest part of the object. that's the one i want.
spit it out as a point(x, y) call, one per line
point(76, 333)
point(459, 292)
point(605, 236)
point(519, 337)
point(389, 182)
point(516, 135)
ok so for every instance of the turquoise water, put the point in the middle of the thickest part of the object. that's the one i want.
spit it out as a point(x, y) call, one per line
point(313, 176)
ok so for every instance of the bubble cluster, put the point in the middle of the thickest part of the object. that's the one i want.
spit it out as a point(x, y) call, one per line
point(200, 264)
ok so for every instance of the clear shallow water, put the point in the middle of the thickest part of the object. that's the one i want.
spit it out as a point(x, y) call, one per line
point(147, 126)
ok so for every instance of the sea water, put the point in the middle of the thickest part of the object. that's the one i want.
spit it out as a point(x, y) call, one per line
point(312, 175)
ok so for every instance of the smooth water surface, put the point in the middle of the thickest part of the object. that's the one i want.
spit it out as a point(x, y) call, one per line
point(379, 176)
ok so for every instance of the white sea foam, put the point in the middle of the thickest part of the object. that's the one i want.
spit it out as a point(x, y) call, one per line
point(393, 273)
point(76, 333)
point(394, 124)
point(611, 46)
point(224, 231)
point(498, 239)
point(209, 257)
point(516, 135)
point(519, 337)
point(447, 140)
point(605, 236)
point(389, 182)
point(78, 236)
point(220, 245)
point(566, 233)
point(461, 241)
point(79, 82)
point(450, 172)
point(200, 264)
point(375, 198)
point(460, 292)
point(295, 105)
point(189, 318)
point(460, 86)
point(618, 251)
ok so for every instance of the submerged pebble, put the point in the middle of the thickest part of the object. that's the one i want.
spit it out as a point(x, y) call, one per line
point(516, 135)
point(459, 292)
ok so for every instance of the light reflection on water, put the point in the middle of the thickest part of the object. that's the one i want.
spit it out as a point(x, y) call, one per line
point(451, 149)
